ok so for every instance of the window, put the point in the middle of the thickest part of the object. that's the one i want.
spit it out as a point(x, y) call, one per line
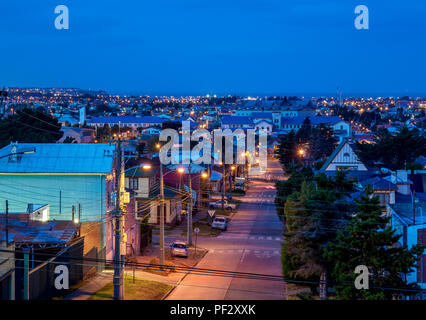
point(346, 155)
point(384, 198)
point(133, 183)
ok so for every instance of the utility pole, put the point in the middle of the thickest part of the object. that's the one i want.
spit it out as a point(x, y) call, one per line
point(26, 274)
point(413, 199)
point(118, 276)
point(189, 235)
point(7, 223)
point(223, 185)
point(161, 216)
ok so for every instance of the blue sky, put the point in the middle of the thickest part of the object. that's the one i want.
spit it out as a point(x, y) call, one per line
point(246, 47)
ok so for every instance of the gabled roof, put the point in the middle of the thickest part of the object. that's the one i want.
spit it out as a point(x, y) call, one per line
point(378, 183)
point(61, 158)
point(334, 154)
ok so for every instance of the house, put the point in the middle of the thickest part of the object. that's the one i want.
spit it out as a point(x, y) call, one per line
point(7, 270)
point(410, 224)
point(264, 125)
point(72, 178)
point(68, 120)
point(145, 185)
point(237, 122)
point(151, 131)
point(80, 135)
point(382, 188)
point(343, 158)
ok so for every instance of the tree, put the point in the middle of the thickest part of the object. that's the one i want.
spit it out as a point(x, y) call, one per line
point(103, 133)
point(29, 126)
point(293, 184)
point(287, 148)
point(304, 134)
point(369, 240)
point(394, 151)
point(313, 217)
point(322, 142)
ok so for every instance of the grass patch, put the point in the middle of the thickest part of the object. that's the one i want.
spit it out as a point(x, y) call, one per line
point(139, 290)
point(205, 230)
point(170, 267)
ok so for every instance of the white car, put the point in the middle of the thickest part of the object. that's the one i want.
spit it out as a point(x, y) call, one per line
point(220, 223)
point(218, 205)
point(179, 249)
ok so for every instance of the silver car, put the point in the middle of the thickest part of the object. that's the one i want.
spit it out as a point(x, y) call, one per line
point(220, 223)
point(179, 249)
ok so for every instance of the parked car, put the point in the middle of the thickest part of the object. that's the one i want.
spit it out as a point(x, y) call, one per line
point(179, 249)
point(218, 205)
point(220, 223)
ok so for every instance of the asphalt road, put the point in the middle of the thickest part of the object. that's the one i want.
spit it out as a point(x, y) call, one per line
point(251, 244)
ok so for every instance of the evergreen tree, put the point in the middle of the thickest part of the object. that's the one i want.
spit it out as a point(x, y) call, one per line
point(313, 217)
point(304, 134)
point(369, 240)
point(394, 151)
point(29, 126)
point(287, 148)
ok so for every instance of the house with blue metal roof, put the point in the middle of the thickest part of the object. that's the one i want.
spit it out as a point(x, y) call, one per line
point(240, 122)
point(68, 177)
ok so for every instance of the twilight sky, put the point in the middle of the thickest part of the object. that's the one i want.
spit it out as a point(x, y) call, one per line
point(245, 47)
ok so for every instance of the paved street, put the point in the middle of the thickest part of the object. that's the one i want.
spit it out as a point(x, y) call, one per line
point(251, 244)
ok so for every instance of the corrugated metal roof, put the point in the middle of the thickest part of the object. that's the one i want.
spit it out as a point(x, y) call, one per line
point(70, 158)
point(24, 231)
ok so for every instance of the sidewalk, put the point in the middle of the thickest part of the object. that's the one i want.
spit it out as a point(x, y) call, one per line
point(95, 284)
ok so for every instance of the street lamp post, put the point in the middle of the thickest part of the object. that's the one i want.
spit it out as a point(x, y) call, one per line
point(161, 216)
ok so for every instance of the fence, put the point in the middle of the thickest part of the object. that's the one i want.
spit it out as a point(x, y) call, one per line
point(42, 278)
